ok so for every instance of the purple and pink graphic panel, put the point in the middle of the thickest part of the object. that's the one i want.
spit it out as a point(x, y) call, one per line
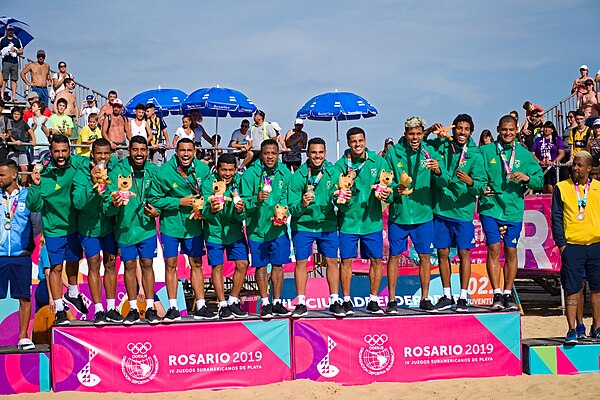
point(358, 351)
point(24, 372)
point(185, 356)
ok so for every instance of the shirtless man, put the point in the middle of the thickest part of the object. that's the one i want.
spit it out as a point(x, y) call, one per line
point(588, 102)
point(107, 108)
point(579, 83)
point(115, 129)
point(40, 76)
point(72, 107)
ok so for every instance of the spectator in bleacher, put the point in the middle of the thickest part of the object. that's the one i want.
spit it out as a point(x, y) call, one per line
point(60, 123)
point(160, 138)
point(485, 137)
point(576, 233)
point(72, 109)
point(593, 147)
point(39, 123)
point(88, 106)
point(39, 72)
point(295, 140)
point(387, 144)
point(532, 129)
point(88, 135)
point(548, 150)
point(19, 132)
point(3, 132)
point(529, 107)
point(260, 130)
point(239, 140)
point(579, 83)
point(515, 115)
point(107, 108)
point(58, 80)
point(139, 125)
point(578, 136)
point(588, 102)
point(280, 139)
point(115, 129)
point(199, 133)
point(10, 62)
point(32, 98)
point(185, 131)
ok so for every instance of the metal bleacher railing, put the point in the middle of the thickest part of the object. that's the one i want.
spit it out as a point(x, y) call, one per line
point(558, 112)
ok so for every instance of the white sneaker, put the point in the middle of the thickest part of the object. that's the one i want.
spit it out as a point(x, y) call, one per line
point(25, 344)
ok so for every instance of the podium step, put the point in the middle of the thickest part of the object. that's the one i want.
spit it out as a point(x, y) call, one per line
point(550, 356)
point(24, 371)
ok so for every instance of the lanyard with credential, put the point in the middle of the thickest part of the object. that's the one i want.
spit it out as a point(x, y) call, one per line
point(508, 165)
point(195, 188)
point(581, 203)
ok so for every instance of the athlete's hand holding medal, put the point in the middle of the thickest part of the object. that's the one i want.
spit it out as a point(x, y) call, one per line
point(239, 206)
point(36, 177)
point(308, 196)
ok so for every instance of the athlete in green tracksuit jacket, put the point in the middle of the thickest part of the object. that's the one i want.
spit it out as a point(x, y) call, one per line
point(360, 218)
point(135, 223)
point(410, 211)
point(455, 198)
point(96, 230)
point(224, 214)
point(177, 184)
point(510, 169)
point(263, 188)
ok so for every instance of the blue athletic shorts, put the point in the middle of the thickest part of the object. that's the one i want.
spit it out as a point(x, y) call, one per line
point(371, 245)
point(577, 260)
point(491, 228)
point(235, 251)
point(275, 252)
point(93, 245)
point(143, 249)
point(451, 232)
point(420, 234)
point(17, 271)
point(327, 244)
point(193, 247)
point(64, 248)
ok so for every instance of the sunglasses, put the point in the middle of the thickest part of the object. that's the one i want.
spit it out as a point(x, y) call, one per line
point(41, 56)
point(62, 66)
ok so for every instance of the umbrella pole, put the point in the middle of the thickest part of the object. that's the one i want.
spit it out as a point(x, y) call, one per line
point(216, 133)
point(337, 140)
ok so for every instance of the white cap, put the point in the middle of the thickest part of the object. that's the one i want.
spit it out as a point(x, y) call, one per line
point(584, 67)
point(276, 126)
point(596, 122)
point(299, 121)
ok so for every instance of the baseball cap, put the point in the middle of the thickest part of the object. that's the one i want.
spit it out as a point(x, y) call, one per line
point(584, 67)
point(41, 53)
point(299, 121)
point(261, 113)
point(596, 122)
point(276, 126)
point(10, 28)
point(117, 102)
point(32, 95)
point(90, 97)
point(389, 140)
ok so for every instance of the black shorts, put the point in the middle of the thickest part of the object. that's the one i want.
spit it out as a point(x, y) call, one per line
point(577, 259)
point(550, 177)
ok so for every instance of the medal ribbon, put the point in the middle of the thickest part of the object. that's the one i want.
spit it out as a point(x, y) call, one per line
point(195, 188)
point(358, 168)
point(265, 178)
point(581, 203)
point(314, 180)
point(508, 166)
point(8, 215)
point(141, 194)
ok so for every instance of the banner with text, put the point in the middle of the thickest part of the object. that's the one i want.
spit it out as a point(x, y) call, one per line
point(145, 358)
point(359, 351)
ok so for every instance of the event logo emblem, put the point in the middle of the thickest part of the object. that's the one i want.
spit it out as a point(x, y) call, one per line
point(85, 376)
point(376, 359)
point(140, 368)
point(324, 366)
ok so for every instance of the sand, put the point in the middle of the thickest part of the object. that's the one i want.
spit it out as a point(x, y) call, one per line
point(521, 387)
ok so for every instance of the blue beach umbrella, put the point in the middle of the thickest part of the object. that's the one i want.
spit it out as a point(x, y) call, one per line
point(22, 29)
point(219, 102)
point(340, 106)
point(166, 101)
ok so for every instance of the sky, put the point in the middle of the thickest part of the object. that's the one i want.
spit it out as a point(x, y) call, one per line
point(435, 59)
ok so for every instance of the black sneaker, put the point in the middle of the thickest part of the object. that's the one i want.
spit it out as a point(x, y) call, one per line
point(392, 307)
point(347, 305)
point(132, 317)
point(444, 303)
point(462, 305)
point(498, 303)
point(426, 305)
point(280, 310)
point(266, 311)
point(225, 313)
point(61, 318)
point(114, 316)
point(76, 302)
point(172, 315)
point(237, 311)
point(205, 313)
point(373, 308)
point(152, 317)
point(301, 311)
point(337, 310)
point(100, 318)
point(509, 303)
point(594, 334)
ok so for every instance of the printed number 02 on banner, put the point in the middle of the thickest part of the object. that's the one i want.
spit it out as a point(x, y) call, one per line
point(479, 286)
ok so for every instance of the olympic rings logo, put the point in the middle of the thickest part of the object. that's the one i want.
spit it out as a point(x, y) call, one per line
point(376, 340)
point(139, 348)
